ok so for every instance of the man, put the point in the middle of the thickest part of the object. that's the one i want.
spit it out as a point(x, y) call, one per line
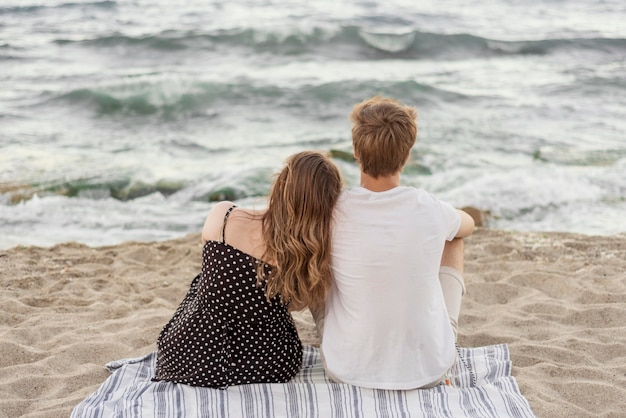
point(397, 260)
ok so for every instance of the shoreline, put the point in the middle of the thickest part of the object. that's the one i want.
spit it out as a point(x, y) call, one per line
point(557, 299)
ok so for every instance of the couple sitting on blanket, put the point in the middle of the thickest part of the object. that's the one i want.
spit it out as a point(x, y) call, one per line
point(380, 267)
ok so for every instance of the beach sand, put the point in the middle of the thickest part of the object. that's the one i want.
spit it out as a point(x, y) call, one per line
point(558, 300)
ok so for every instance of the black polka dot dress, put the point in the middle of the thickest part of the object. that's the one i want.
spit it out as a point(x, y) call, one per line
point(225, 332)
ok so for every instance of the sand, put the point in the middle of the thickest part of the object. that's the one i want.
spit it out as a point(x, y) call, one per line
point(558, 300)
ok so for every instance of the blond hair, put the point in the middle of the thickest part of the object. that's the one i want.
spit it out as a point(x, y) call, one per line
point(383, 133)
point(297, 229)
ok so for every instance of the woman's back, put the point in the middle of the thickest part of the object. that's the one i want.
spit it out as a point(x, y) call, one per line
point(226, 332)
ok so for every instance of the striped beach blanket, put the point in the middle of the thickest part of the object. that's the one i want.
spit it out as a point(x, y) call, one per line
point(482, 387)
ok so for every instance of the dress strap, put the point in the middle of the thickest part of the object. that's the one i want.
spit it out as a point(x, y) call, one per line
point(230, 209)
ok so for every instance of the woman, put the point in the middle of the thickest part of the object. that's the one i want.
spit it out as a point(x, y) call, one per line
point(234, 325)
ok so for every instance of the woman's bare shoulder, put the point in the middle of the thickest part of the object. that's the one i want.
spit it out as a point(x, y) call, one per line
point(215, 220)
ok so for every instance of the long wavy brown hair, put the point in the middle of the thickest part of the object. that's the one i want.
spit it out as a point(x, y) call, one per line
point(297, 229)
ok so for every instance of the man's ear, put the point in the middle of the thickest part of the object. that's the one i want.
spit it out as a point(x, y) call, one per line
point(356, 157)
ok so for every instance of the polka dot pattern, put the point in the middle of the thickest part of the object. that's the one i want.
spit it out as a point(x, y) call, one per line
point(225, 332)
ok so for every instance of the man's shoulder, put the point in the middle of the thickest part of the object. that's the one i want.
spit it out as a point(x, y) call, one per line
point(398, 190)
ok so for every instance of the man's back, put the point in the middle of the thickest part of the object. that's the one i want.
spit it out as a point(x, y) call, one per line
point(386, 323)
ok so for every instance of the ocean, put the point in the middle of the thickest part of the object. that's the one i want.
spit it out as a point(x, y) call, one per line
point(127, 119)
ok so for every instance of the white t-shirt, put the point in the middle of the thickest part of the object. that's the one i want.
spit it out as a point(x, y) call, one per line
point(386, 324)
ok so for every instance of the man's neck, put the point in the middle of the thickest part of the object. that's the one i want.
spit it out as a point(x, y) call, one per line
point(380, 184)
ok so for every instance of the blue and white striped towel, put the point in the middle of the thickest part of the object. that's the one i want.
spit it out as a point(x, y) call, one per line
point(128, 392)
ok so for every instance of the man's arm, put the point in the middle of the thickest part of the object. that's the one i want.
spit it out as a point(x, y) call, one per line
point(467, 225)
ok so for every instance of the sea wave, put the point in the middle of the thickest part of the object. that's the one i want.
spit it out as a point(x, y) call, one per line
point(352, 42)
point(171, 98)
point(122, 188)
point(568, 156)
point(105, 4)
point(230, 185)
